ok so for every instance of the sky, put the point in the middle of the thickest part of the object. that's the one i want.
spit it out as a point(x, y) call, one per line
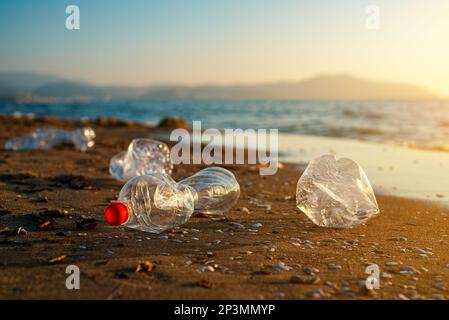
point(144, 42)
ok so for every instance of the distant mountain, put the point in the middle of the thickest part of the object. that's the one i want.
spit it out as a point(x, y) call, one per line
point(321, 87)
point(30, 87)
point(64, 89)
point(25, 80)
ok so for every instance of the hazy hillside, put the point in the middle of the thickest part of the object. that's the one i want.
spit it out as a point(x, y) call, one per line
point(41, 87)
point(25, 80)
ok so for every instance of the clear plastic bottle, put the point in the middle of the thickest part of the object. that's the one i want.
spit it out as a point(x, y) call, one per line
point(155, 202)
point(335, 192)
point(144, 156)
point(47, 138)
point(216, 188)
point(152, 203)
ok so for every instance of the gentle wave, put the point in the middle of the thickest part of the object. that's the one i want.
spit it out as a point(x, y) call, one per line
point(417, 124)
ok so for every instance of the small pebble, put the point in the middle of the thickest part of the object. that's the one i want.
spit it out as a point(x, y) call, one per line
point(334, 266)
point(278, 294)
point(280, 266)
point(319, 293)
point(236, 225)
point(408, 270)
point(440, 286)
point(310, 270)
point(207, 269)
point(391, 264)
point(304, 280)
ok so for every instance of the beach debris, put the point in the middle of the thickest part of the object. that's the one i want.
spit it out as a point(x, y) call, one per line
point(391, 264)
point(48, 138)
point(216, 190)
point(155, 202)
point(56, 259)
point(145, 266)
point(256, 225)
point(144, 156)
point(264, 206)
point(336, 193)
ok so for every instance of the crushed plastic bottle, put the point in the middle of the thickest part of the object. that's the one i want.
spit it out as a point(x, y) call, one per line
point(155, 202)
point(47, 138)
point(144, 156)
point(336, 193)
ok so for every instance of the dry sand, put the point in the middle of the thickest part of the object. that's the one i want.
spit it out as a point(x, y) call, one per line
point(50, 193)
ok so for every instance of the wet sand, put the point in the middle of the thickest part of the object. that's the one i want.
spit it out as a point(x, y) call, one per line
point(58, 197)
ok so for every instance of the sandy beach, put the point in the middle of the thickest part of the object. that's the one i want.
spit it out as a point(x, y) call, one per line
point(58, 197)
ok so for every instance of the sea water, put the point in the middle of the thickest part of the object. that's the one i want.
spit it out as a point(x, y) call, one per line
point(402, 145)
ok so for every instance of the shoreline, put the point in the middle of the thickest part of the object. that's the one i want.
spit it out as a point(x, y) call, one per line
point(66, 188)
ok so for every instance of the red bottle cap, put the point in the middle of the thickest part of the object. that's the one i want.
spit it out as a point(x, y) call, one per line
point(116, 213)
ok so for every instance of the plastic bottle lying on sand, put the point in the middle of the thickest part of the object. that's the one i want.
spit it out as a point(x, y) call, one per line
point(144, 156)
point(216, 190)
point(155, 202)
point(47, 138)
point(335, 192)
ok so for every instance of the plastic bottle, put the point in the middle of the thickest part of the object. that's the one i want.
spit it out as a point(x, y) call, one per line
point(216, 189)
point(144, 156)
point(47, 138)
point(155, 202)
